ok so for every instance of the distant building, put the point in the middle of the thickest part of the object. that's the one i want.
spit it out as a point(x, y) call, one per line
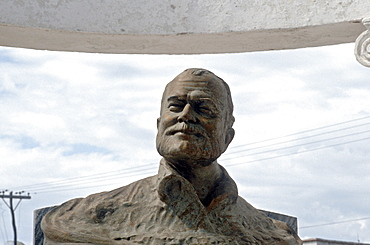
point(319, 241)
point(12, 243)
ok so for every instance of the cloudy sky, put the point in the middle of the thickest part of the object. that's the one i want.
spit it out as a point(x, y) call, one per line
point(73, 124)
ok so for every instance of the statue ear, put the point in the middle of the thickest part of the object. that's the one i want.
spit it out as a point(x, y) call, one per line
point(229, 136)
point(158, 119)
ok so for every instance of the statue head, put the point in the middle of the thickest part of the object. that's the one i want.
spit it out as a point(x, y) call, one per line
point(196, 118)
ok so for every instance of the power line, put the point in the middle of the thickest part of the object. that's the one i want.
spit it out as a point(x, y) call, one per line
point(295, 153)
point(78, 185)
point(305, 131)
point(293, 140)
point(334, 223)
point(128, 174)
point(47, 188)
point(294, 146)
point(34, 187)
point(72, 187)
point(139, 170)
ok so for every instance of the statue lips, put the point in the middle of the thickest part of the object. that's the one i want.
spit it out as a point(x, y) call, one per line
point(185, 131)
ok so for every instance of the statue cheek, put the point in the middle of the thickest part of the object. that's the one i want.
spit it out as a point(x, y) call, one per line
point(168, 119)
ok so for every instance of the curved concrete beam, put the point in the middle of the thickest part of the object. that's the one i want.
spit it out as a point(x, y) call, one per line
point(362, 47)
point(178, 26)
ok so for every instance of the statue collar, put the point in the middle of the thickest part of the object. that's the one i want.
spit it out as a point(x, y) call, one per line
point(171, 187)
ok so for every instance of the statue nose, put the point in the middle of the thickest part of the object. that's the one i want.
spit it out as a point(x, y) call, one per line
point(187, 115)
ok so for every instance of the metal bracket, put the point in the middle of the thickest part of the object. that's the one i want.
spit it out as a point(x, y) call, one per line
point(362, 45)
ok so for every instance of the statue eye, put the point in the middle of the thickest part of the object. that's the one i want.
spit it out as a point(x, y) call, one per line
point(205, 110)
point(175, 107)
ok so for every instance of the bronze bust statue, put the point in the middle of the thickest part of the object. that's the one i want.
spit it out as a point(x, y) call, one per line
point(192, 199)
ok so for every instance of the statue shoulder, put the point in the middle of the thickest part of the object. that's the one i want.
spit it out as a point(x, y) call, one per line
point(122, 194)
point(281, 233)
point(77, 214)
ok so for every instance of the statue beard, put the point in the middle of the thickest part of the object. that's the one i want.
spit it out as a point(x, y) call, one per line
point(194, 150)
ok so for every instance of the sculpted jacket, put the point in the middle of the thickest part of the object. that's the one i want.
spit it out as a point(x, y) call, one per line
point(164, 209)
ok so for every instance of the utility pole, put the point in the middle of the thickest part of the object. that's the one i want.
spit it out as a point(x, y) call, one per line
point(11, 196)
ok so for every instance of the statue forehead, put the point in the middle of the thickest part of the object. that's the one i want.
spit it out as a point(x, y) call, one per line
point(187, 82)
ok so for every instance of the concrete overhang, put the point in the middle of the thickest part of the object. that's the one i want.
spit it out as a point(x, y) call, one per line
point(179, 26)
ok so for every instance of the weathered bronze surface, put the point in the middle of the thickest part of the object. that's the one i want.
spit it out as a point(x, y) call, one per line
point(192, 199)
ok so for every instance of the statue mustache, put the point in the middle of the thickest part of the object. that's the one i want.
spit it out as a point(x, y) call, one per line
point(187, 129)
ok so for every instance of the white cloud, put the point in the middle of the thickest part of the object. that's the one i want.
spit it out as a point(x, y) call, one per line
point(68, 115)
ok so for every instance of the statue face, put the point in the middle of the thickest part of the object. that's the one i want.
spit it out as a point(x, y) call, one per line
point(192, 129)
